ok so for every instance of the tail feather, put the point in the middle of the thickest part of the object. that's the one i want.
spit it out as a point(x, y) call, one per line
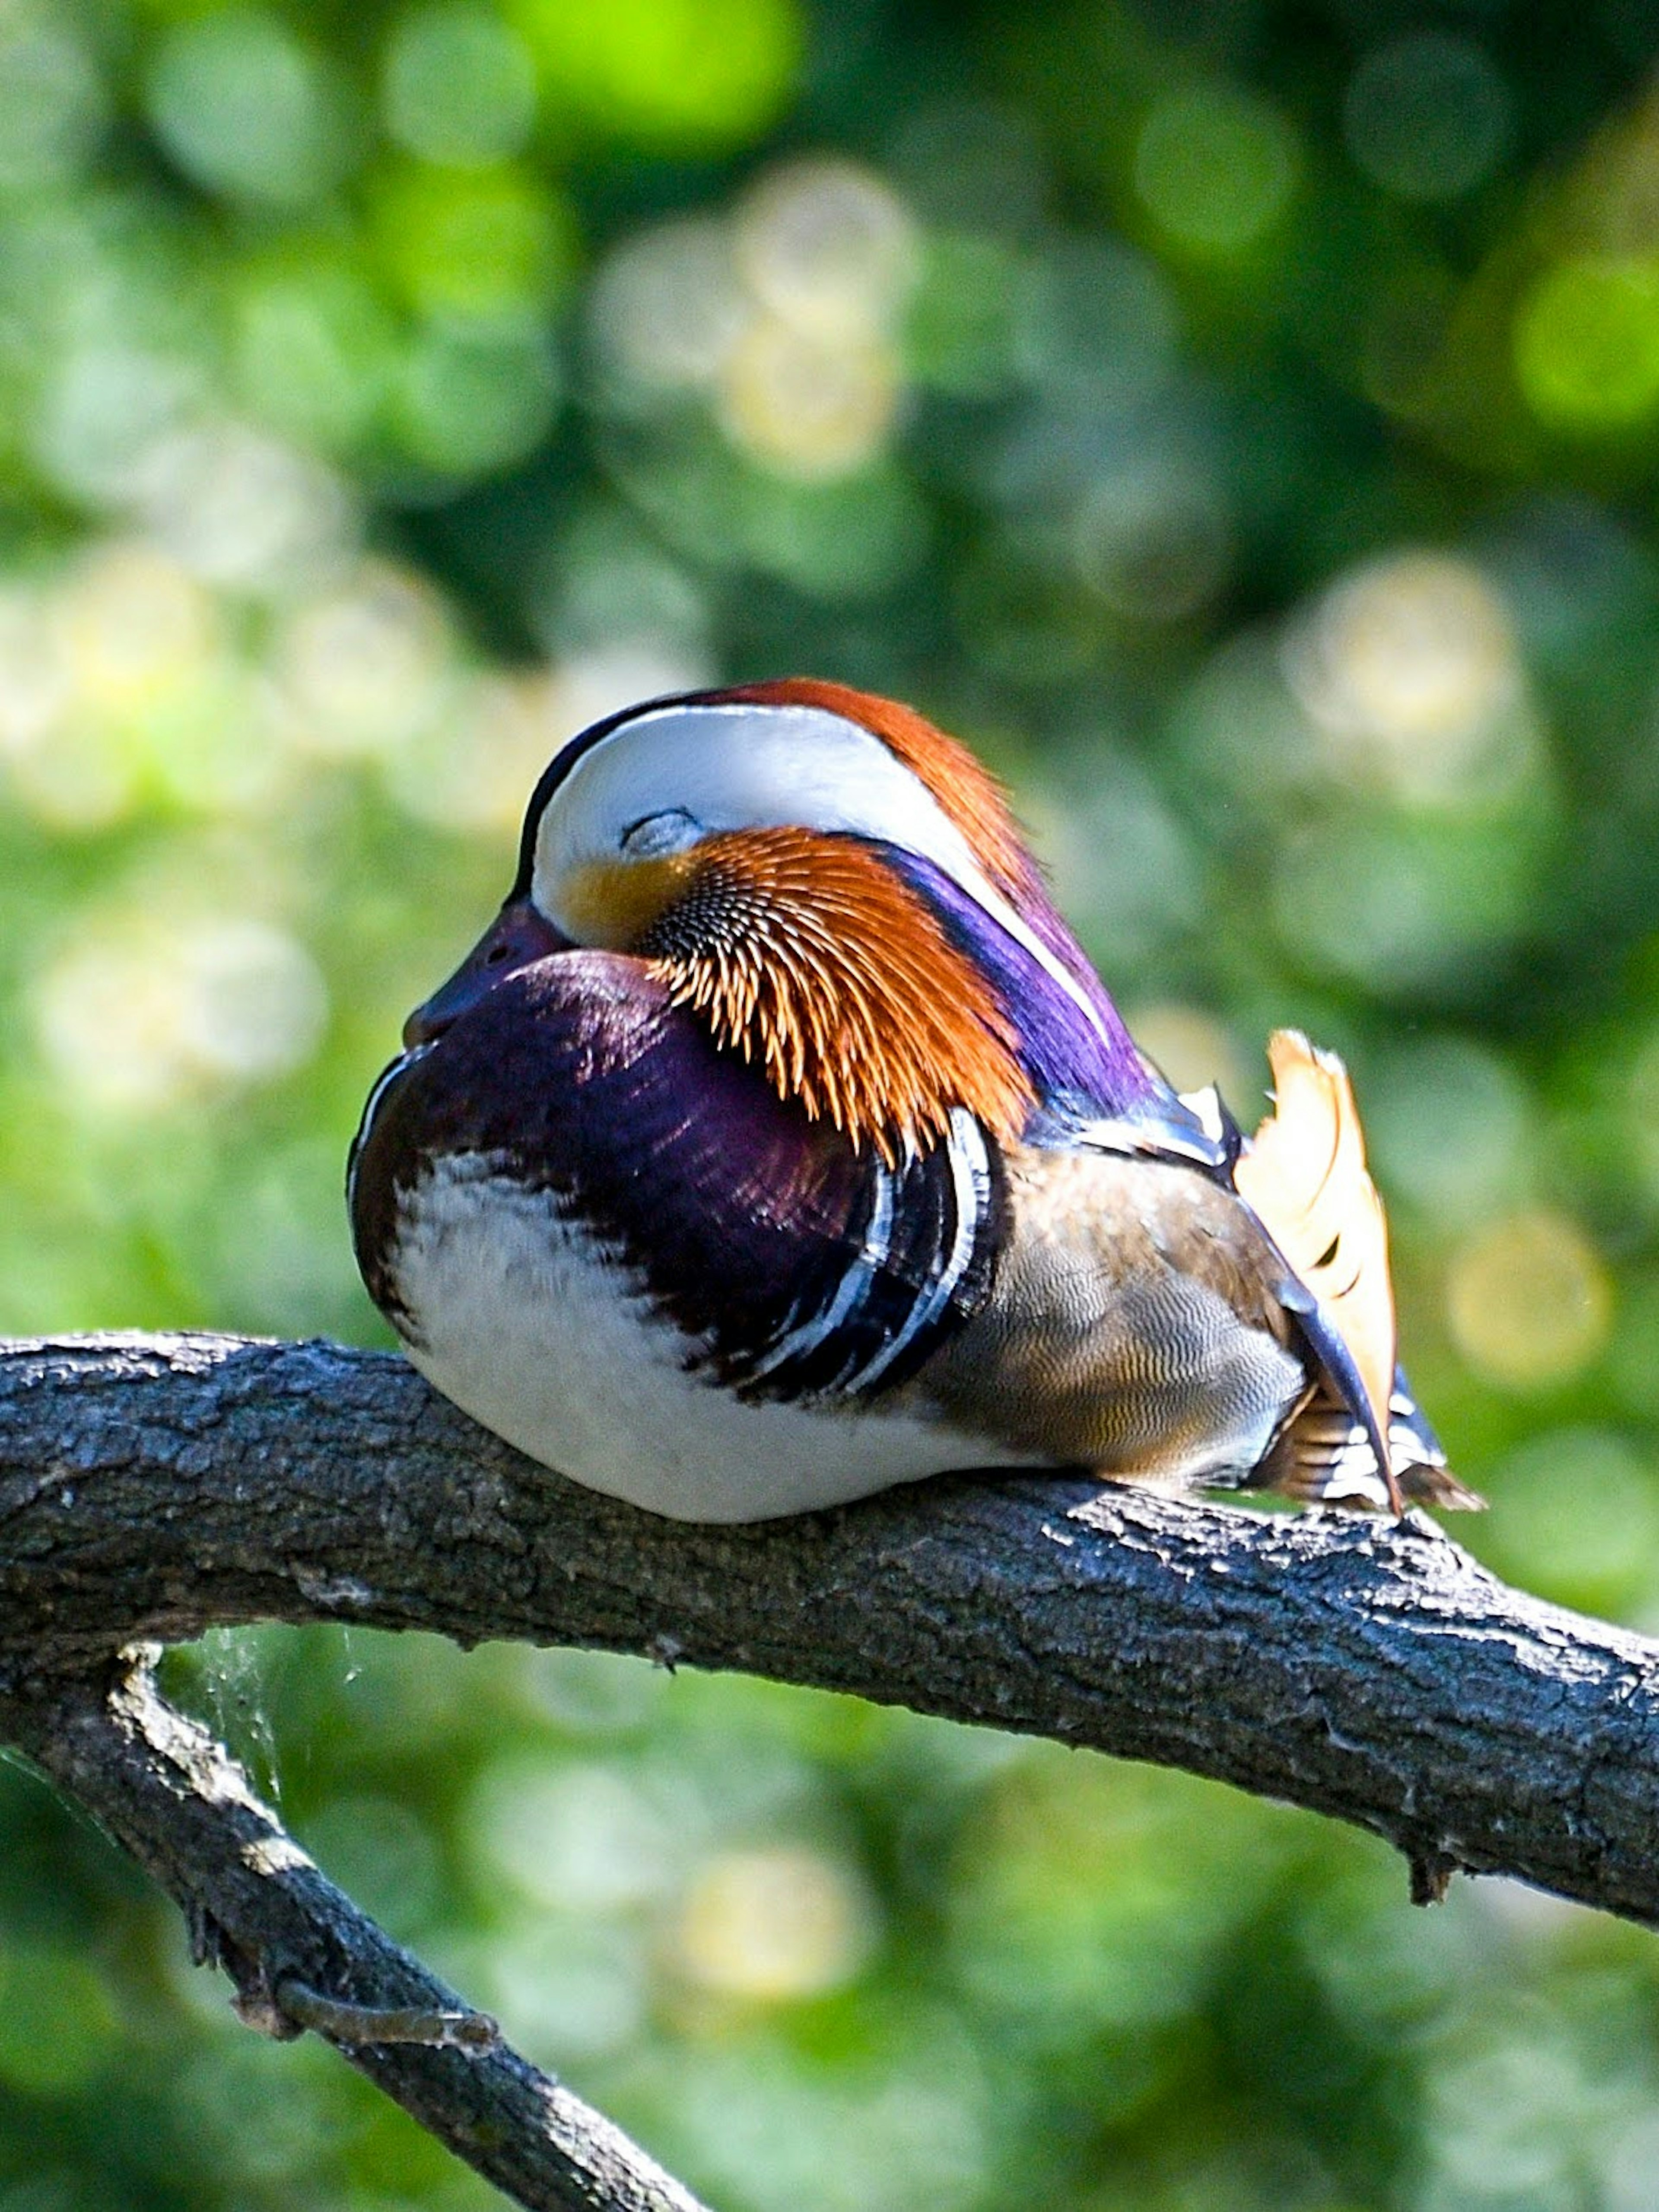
point(1323, 1456)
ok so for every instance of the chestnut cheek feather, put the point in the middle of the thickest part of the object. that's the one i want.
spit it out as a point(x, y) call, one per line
point(809, 957)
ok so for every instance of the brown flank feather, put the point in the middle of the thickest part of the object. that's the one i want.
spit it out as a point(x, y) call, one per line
point(970, 794)
point(812, 959)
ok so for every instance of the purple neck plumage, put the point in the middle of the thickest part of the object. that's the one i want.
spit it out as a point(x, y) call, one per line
point(1080, 1068)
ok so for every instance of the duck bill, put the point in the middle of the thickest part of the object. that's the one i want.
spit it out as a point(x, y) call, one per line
point(520, 935)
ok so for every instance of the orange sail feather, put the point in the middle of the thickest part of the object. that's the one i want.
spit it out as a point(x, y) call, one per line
point(1304, 1175)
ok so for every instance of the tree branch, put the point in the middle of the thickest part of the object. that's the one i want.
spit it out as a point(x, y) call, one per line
point(152, 1487)
point(257, 1907)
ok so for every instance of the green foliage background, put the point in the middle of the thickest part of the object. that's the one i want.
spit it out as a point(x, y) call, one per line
point(1239, 420)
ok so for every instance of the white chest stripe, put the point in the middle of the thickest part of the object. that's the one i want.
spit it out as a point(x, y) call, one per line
point(970, 1182)
point(878, 1241)
point(970, 1190)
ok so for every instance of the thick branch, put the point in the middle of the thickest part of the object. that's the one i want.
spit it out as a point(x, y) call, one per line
point(152, 1487)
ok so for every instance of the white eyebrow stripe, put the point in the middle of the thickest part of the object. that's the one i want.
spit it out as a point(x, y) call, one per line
point(794, 765)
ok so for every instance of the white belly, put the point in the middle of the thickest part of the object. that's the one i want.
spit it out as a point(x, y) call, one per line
point(527, 1327)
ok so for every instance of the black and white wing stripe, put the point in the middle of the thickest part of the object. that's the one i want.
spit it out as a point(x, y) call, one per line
point(922, 1265)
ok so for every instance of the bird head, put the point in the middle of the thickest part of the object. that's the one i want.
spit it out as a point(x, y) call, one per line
point(838, 889)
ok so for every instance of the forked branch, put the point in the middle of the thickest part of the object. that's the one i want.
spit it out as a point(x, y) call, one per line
point(257, 1907)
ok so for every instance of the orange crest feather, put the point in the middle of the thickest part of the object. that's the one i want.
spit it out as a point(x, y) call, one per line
point(809, 955)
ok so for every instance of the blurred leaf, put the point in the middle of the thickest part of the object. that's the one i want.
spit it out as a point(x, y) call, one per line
point(669, 75)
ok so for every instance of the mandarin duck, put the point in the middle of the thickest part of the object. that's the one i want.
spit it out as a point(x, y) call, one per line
point(777, 1143)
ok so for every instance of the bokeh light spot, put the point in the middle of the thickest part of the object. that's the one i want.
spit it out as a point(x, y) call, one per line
point(1428, 116)
point(806, 406)
point(586, 1837)
point(236, 508)
point(469, 769)
point(103, 409)
point(1409, 668)
point(1215, 167)
point(85, 777)
point(1529, 1300)
point(574, 1987)
point(473, 246)
point(248, 108)
point(827, 247)
point(774, 1924)
point(366, 665)
point(459, 85)
point(140, 1011)
point(1587, 344)
point(133, 623)
point(53, 103)
point(789, 312)
point(666, 307)
point(808, 374)
point(36, 674)
point(255, 1004)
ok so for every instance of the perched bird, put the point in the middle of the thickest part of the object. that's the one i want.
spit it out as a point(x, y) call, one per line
point(777, 1142)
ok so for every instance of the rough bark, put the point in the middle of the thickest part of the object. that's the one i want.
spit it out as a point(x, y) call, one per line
point(152, 1487)
point(259, 1908)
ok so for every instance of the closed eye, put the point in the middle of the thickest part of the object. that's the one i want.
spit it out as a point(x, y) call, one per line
point(654, 834)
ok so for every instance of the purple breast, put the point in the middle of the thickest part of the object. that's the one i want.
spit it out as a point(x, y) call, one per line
point(739, 1217)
